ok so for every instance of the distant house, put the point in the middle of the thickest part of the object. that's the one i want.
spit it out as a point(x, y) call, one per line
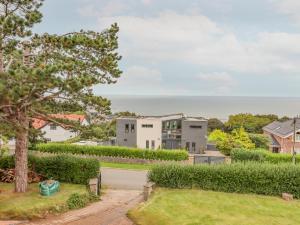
point(281, 136)
point(54, 132)
point(168, 132)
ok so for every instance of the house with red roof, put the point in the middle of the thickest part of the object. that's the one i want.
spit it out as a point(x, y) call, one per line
point(55, 132)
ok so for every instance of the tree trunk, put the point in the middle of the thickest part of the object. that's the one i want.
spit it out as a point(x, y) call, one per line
point(21, 159)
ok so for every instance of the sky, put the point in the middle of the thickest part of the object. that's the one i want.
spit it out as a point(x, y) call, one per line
point(193, 47)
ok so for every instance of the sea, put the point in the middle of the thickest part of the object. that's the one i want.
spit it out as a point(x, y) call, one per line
point(206, 106)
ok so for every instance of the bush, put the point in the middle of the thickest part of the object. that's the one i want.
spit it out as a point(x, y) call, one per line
point(114, 151)
point(62, 168)
point(260, 140)
point(261, 155)
point(77, 201)
point(258, 178)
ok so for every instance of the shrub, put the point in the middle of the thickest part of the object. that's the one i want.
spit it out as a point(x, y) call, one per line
point(258, 178)
point(77, 201)
point(62, 168)
point(241, 155)
point(114, 151)
point(261, 155)
point(260, 140)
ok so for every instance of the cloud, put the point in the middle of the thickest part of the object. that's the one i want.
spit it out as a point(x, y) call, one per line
point(288, 7)
point(217, 82)
point(195, 39)
point(110, 8)
point(135, 80)
point(146, 2)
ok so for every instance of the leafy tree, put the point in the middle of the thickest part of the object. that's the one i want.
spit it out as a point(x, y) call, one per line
point(37, 71)
point(225, 142)
point(251, 123)
point(284, 118)
point(214, 124)
point(101, 131)
point(260, 140)
point(241, 139)
point(217, 135)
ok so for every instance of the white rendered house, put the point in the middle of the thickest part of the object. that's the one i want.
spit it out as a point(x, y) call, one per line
point(53, 132)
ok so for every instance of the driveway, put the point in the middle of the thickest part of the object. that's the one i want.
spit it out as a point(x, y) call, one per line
point(123, 179)
point(111, 210)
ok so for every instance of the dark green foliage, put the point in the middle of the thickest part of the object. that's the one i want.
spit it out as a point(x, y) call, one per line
point(251, 123)
point(77, 201)
point(258, 178)
point(114, 151)
point(261, 155)
point(260, 140)
point(214, 124)
point(62, 168)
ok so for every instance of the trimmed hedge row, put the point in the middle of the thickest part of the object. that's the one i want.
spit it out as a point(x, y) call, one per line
point(114, 151)
point(62, 168)
point(260, 155)
point(258, 178)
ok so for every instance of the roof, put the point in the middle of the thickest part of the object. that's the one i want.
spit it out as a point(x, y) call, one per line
point(39, 123)
point(273, 141)
point(174, 116)
point(282, 129)
point(195, 119)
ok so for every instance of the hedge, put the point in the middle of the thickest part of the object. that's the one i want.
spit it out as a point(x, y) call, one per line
point(114, 151)
point(260, 155)
point(258, 178)
point(62, 168)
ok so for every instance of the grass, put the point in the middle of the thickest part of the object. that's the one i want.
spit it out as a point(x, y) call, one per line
point(31, 204)
point(126, 166)
point(182, 207)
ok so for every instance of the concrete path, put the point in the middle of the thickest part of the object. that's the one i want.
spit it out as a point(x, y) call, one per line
point(111, 210)
point(123, 179)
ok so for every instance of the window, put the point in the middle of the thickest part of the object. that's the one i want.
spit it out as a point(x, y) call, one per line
point(193, 146)
point(187, 146)
point(125, 139)
point(132, 128)
point(52, 126)
point(168, 124)
point(174, 126)
point(152, 144)
point(147, 144)
point(179, 124)
point(196, 126)
point(298, 136)
point(126, 128)
point(147, 125)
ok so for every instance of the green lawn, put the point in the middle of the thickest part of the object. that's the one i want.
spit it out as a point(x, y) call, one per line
point(126, 166)
point(31, 204)
point(182, 207)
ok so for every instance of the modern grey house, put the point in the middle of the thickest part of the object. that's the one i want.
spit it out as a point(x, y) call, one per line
point(175, 131)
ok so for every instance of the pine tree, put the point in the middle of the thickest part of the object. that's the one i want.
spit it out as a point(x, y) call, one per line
point(40, 72)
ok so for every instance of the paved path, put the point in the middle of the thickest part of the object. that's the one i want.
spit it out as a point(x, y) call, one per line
point(123, 179)
point(124, 192)
point(111, 210)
